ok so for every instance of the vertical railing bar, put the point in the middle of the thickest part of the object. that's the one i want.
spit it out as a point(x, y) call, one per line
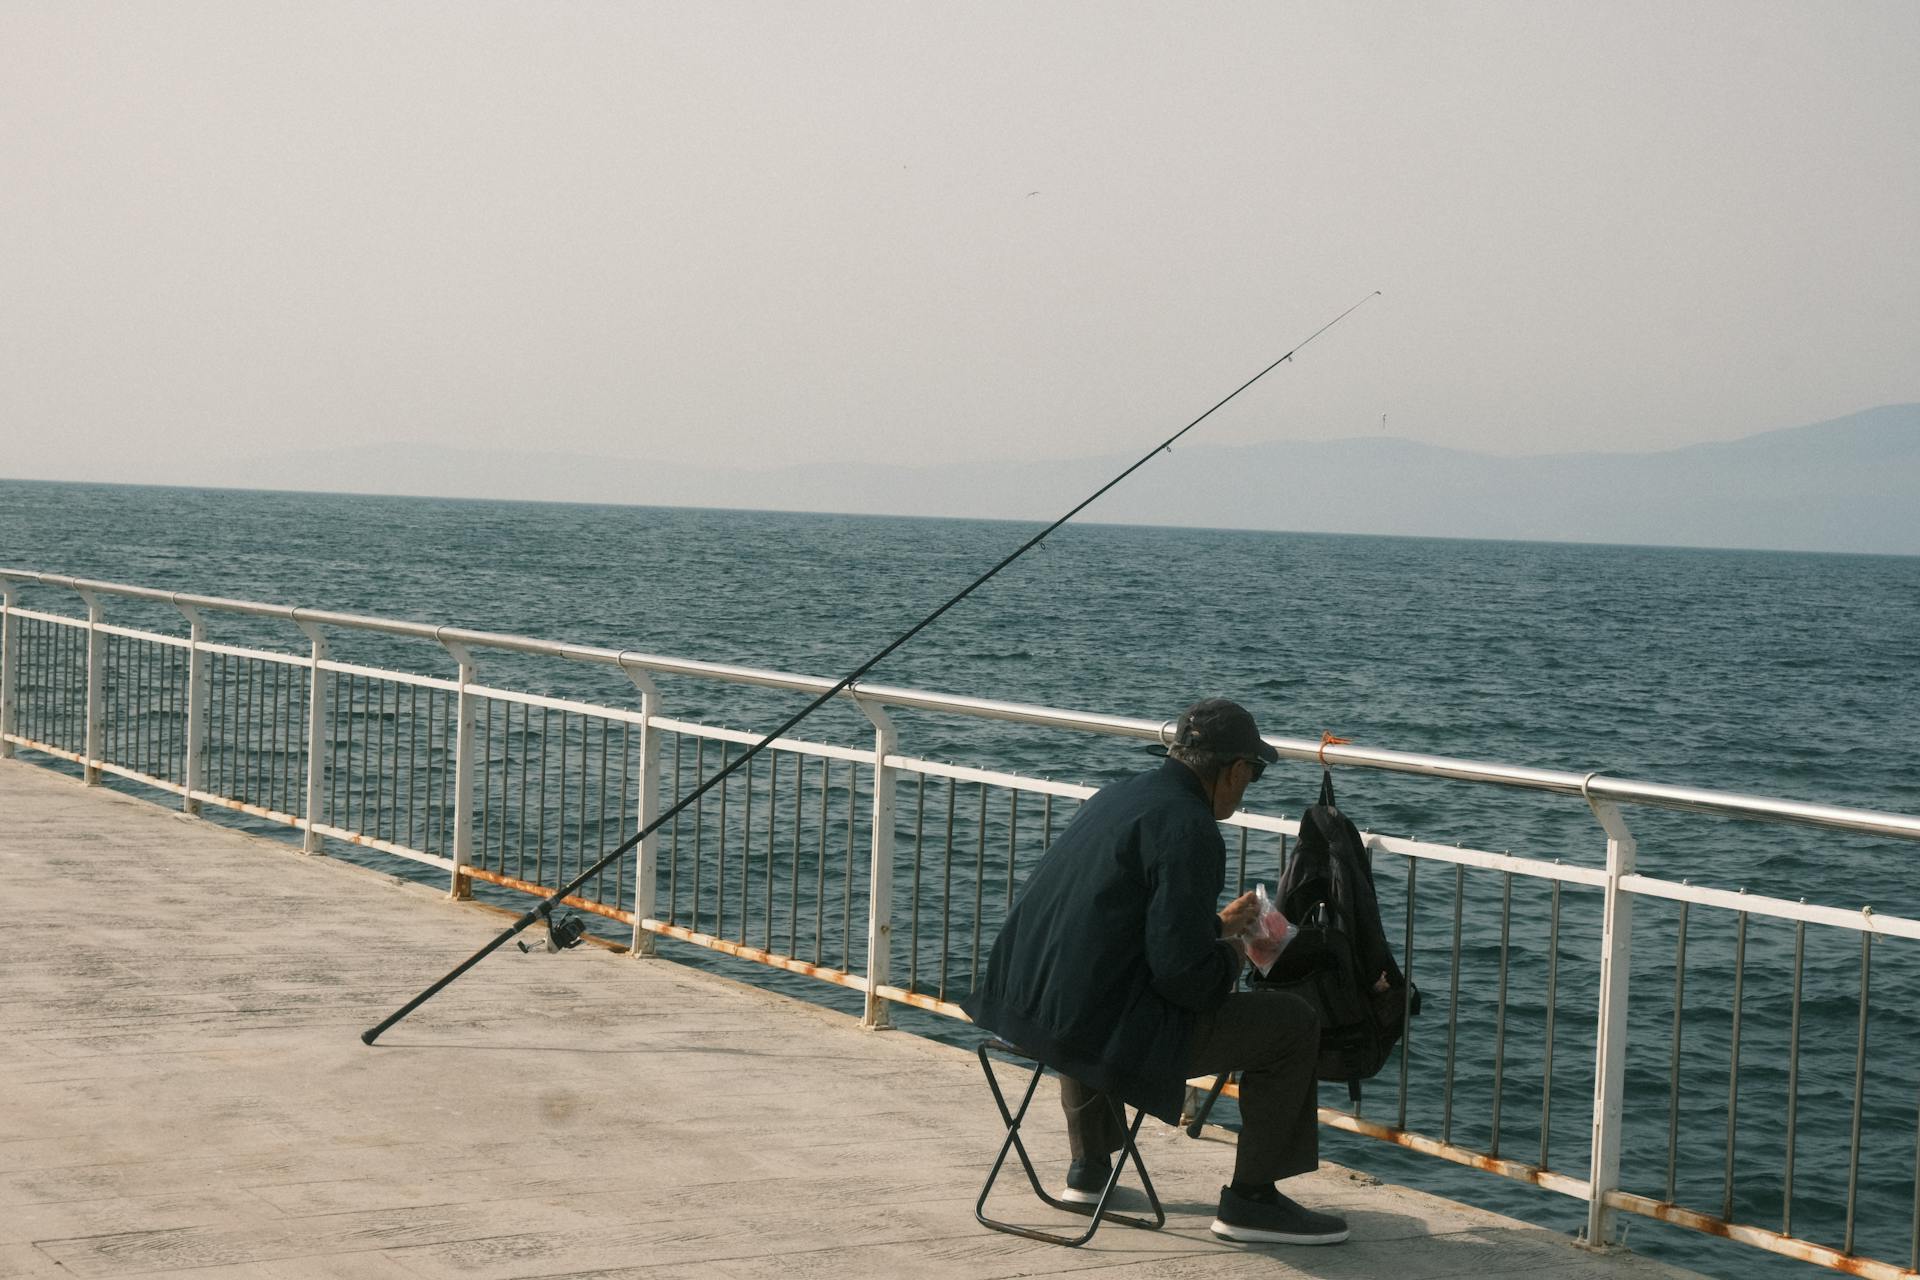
point(773, 810)
point(720, 860)
point(320, 719)
point(1500, 1012)
point(646, 812)
point(159, 748)
point(580, 826)
point(154, 755)
point(1553, 985)
point(793, 876)
point(161, 737)
point(132, 675)
point(979, 879)
point(32, 683)
point(430, 809)
point(461, 884)
point(919, 841)
point(883, 832)
point(597, 842)
point(293, 706)
point(1013, 823)
point(946, 892)
point(120, 678)
point(486, 786)
point(526, 789)
point(235, 743)
point(673, 848)
point(560, 873)
point(506, 797)
point(699, 825)
point(1243, 863)
point(1453, 1004)
point(1610, 1025)
point(1793, 1077)
point(1406, 997)
point(113, 696)
point(820, 865)
point(96, 687)
point(540, 810)
point(1046, 822)
point(276, 760)
point(283, 715)
point(438, 703)
point(335, 739)
point(259, 775)
point(383, 827)
point(625, 808)
point(1859, 1085)
point(183, 662)
point(746, 847)
point(1673, 1060)
point(362, 703)
point(133, 704)
point(108, 645)
point(1733, 1059)
point(846, 884)
point(9, 669)
point(173, 714)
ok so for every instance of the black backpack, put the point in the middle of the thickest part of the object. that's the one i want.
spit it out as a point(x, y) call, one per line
point(1337, 958)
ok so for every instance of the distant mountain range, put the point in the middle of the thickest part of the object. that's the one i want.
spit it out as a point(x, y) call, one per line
point(1851, 484)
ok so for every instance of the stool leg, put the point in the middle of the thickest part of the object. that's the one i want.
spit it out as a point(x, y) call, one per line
point(1100, 1213)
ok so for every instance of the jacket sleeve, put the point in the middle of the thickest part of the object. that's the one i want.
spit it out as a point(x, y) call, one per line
point(1185, 866)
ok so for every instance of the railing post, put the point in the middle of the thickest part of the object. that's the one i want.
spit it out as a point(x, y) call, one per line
point(319, 719)
point(96, 691)
point(646, 858)
point(461, 884)
point(198, 705)
point(880, 877)
point(1610, 1037)
point(9, 666)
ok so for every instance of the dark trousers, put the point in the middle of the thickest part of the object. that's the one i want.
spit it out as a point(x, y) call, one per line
point(1272, 1038)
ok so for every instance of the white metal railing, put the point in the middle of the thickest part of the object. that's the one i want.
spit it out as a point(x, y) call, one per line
point(516, 791)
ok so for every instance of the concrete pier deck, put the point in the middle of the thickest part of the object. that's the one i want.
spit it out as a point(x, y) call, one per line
point(183, 1091)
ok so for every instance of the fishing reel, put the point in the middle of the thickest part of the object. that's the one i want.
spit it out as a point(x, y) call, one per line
point(562, 934)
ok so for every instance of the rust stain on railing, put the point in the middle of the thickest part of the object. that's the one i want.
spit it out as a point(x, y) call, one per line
point(540, 891)
point(1772, 1241)
point(839, 977)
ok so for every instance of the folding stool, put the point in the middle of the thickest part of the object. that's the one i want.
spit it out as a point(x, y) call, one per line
point(1012, 1120)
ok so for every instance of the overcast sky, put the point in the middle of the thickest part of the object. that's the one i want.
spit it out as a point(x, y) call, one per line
point(768, 233)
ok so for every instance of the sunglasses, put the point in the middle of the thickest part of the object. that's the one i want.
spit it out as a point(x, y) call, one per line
point(1258, 766)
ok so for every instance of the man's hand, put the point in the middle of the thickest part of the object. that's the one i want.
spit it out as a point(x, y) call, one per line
point(1238, 916)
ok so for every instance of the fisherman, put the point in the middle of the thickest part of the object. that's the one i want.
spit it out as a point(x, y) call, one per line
point(1115, 969)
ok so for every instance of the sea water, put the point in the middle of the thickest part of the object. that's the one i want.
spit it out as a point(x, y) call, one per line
point(1793, 675)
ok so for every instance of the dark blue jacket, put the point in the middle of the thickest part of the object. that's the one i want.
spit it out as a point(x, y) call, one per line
point(1114, 945)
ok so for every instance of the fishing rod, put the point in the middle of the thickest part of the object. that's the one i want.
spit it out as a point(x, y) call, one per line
point(567, 933)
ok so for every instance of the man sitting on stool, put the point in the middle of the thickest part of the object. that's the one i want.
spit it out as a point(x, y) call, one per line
point(1114, 968)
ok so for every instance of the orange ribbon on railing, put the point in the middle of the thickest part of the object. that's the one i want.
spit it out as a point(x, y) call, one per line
point(1329, 740)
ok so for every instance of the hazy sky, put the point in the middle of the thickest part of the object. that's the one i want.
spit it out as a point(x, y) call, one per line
point(780, 233)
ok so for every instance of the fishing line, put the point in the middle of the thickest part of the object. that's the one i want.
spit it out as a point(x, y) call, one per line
point(544, 911)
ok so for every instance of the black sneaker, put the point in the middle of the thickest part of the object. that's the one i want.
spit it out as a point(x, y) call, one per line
point(1086, 1179)
point(1274, 1219)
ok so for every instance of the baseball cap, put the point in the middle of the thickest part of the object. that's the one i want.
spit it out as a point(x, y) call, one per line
point(1223, 727)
